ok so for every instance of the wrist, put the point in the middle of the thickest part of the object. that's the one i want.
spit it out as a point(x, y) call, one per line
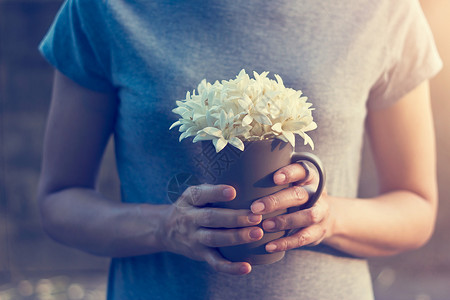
point(156, 220)
point(333, 228)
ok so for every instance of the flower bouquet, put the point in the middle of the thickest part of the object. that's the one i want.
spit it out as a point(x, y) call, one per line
point(244, 109)
point(247, 127)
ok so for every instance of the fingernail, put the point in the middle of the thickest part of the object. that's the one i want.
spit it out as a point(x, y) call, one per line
point(228, 192)
point(271, 247)
point(280, 178)
point(269, 224)
point(254, 218)
point(243, 269)
point(258, 207)
point(255, 233)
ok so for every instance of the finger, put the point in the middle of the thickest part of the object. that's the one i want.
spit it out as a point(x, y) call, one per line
point(289, 197)
point(290, 173)
point(298, 219)
point(200, 195)
point(228, 237)
point(220, 264)
point(225, 218)
point(307, 236)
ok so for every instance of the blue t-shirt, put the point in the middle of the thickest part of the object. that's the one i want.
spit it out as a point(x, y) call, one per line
point(347, 57)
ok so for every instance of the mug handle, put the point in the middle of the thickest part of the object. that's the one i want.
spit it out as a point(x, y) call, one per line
point(306, 156)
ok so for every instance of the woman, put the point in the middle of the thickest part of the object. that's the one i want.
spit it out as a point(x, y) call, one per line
point(120, 66)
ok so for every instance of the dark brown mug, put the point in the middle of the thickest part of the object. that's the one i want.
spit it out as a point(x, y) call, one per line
point(251, 172)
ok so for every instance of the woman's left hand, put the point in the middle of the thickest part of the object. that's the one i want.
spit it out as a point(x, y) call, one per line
point(309, 226)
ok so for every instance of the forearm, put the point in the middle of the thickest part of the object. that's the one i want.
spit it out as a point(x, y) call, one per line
point(385, 225)
point(84, 219)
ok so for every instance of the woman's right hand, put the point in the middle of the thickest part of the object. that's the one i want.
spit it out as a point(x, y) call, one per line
point(195, 230)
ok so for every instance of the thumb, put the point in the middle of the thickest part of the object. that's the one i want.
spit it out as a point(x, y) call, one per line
point(200, 195)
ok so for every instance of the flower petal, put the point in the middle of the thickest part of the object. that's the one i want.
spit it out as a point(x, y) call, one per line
point(290, 137)
point(177, 123)
point(277, 127)
point(212, 131)
point(183, 135)
point(294, 125)
point(236, 142)
point(279, 80)
point(308, 140)
point(310, 126)
point(232, 111)
point(263, 119)
point(219, 144)
point(247, 120)
point(180, 110)
point(222, 119)
point(202, 137)
point(283, 138)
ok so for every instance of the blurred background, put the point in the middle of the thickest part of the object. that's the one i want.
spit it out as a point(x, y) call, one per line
point(34, 267)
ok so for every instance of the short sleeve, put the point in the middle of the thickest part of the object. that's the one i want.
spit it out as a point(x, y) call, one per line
point(77, 44)
point(411, 55)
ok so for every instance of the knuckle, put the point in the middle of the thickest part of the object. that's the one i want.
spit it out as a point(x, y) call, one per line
point(213, 263)
point(272, 201)
point(242, 236)
point(225, 267)
point(215, 266)
point(241, 221)
point(180, 224)
point(236, 220)
point(302, 239)
point(219, 267)
point(323, 232)
point(283, 222)
point(289, 172)
point(314, 215)
point(194, 193)
point(299, 192)
point(189, 193)
point(207, 217)
point(207, 256)
point(206, 238)
point(283, 245)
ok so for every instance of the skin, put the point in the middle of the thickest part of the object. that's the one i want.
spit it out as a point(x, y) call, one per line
point(400, 219)
point(74, 213)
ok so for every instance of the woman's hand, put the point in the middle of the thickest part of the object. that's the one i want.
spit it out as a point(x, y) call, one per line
point(194, 230)
point(308, 226)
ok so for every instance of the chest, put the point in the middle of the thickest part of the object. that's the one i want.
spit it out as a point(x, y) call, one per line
point(330, 53)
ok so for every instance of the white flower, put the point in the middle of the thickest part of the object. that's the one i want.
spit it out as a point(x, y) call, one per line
point(244, 109)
